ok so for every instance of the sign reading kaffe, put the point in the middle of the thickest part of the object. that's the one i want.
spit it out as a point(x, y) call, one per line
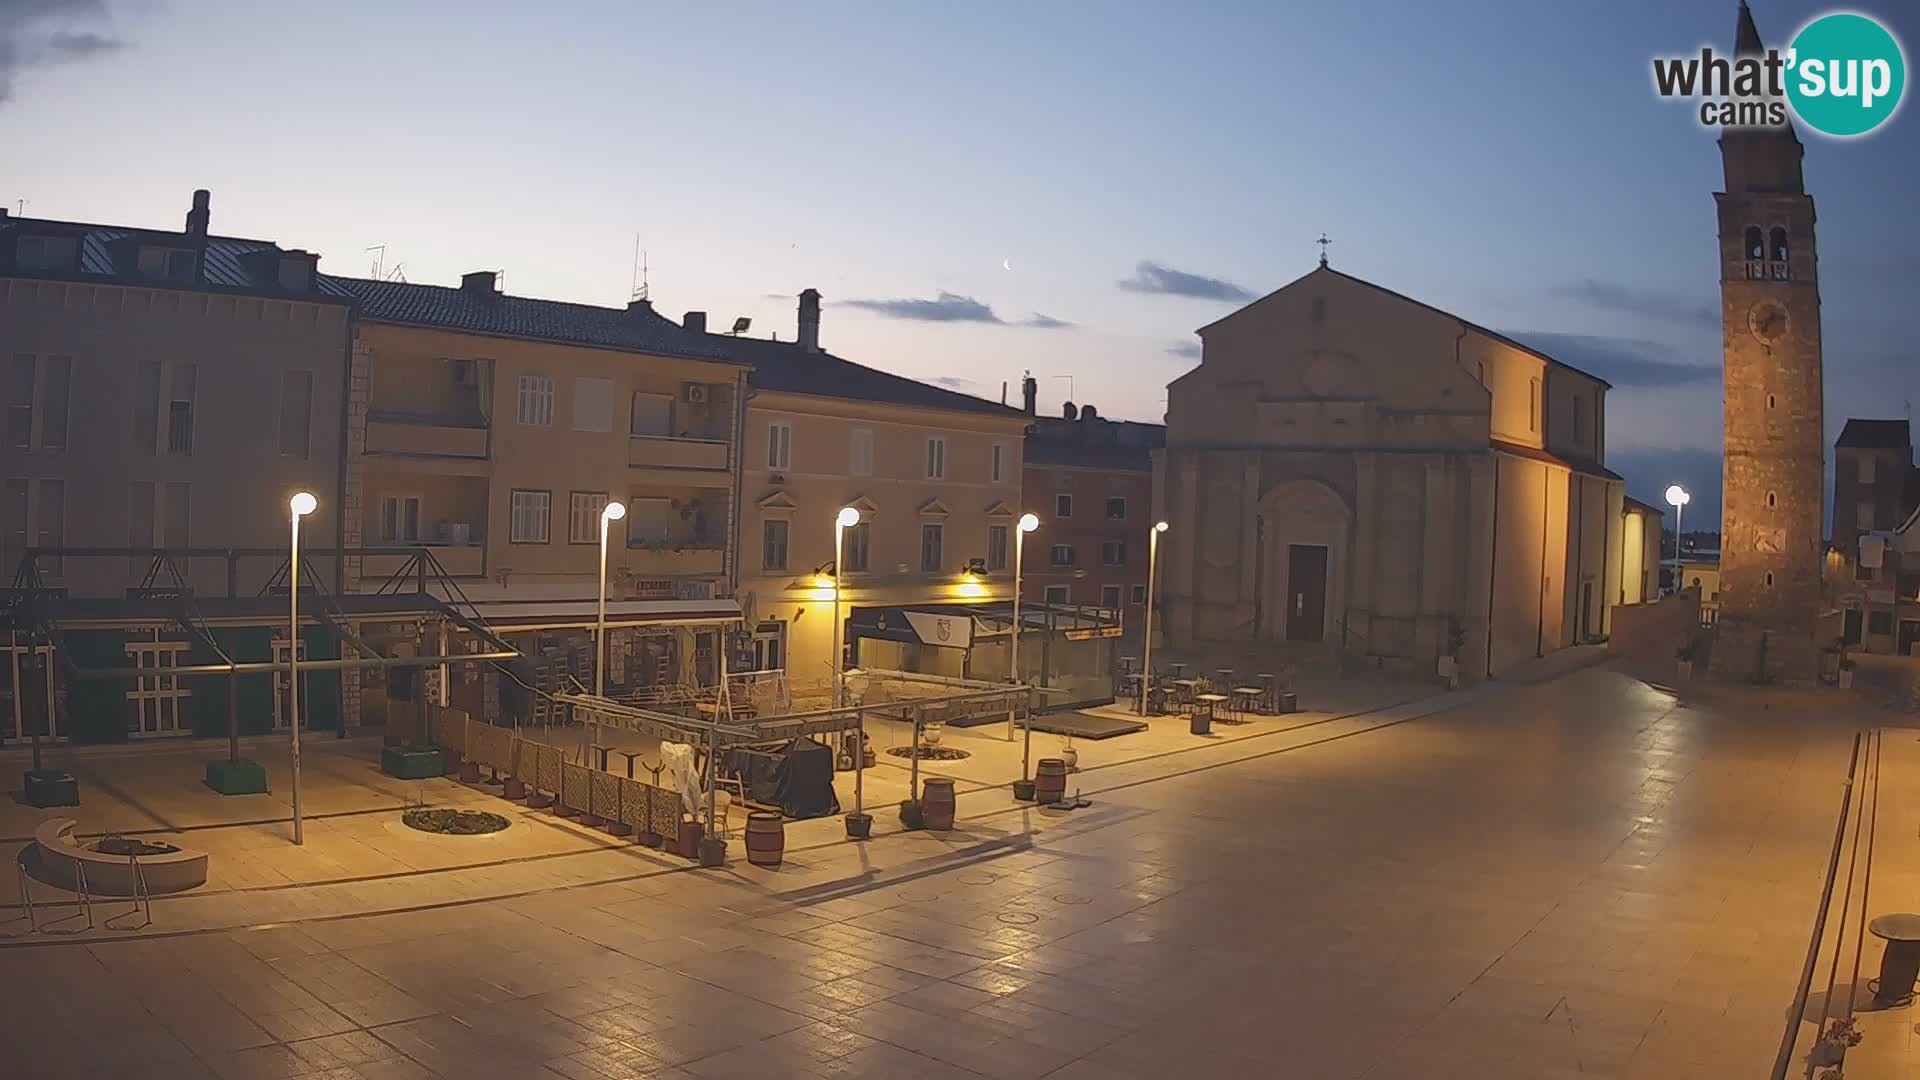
point(1844, 75)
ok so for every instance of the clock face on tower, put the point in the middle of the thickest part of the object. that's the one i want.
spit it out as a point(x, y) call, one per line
point(1768, 321)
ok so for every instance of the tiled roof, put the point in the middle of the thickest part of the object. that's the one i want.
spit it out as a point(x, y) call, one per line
point(787, 367)
point(1875, 435)
point(1587, 466)
point(638, 328)
point(111, 252)
point(1638, 504)
point(1082, 455)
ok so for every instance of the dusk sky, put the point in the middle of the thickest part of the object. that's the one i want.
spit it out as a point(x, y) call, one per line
point(984, 189)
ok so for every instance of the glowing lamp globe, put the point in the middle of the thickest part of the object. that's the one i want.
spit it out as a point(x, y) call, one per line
point(303, 504)
point(849, 517)
point(1028, 523)
point(614, 511)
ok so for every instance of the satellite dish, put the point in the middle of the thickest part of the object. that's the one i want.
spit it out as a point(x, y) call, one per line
point(741, 324)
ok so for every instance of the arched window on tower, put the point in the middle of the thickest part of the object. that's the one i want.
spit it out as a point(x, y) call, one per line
point(1777, 244)
point(1755, 248)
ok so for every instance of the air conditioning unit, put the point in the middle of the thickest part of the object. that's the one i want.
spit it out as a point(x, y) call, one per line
point(456, 533)
point(695, 393)
point(466, 372)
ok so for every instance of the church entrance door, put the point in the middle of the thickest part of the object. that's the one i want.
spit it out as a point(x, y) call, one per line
point(1306, 592)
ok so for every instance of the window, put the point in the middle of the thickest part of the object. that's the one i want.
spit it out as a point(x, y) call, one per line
point(860, 452)
point(1139, 594)
point(1113, 553)
point(178, 510)
point(59, 389)
point(999, 462)
point(52, 524)
point(166, 264)
point(1063, 506)
point(531, 513)
point(1880, 622)
point(1533, 405)
point(54, 253)
point(1109, 596)
point(649, 521)
point(932, 541)
point(856, 548)
point(936, 458)
point(1772, 501)
point(1116, 508)
point(1866, 468)
point(996, 547)
point(1777, 244)
point(180, 409)
point(1755, 245)
point(533, 404)
point(583, 516)
point(400, 519)
point(146, 406)
point(20, 402)
point(13, 519)
point(296, 414)
point(1862, 515)
point(651, 415)
point(779, 446)
point(773, 545)
point(592, 404)
point(294, 275)
point(770, 646)
point(1058, 594)
point(1062, 555)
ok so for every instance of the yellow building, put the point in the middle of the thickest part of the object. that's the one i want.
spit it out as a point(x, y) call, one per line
point(934, 473)
point(1640, 551)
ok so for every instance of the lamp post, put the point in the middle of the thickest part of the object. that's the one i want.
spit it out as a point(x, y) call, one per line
point(1679, 497)
point(302, 504)
point(1146, 666)
point(609, 514)
point(1027, 524)
point(847, 518)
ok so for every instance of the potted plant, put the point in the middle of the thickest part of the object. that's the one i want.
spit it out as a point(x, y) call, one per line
point(859, 826)
point(1684, 655)
point(1070, 755)
point(910, 816)
point(1846, 673)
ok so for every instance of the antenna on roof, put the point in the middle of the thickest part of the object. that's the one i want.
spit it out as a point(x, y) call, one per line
point(398, 273)
point(379, 257)
point(638, 289)
point(22, 211)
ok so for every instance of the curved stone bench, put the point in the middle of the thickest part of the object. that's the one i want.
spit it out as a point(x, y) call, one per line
point(61, 855)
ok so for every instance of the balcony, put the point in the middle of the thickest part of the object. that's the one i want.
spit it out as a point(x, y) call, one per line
point(418, 436)
point(668, 561)
point(456, 560)
point(661, 452)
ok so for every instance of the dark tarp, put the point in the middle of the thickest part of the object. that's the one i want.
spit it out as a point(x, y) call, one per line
point(805, 780)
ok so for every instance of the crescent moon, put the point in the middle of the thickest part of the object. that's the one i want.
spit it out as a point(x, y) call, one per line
point(1006, 264)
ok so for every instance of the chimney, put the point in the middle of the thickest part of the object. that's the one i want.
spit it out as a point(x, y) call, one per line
point(1067, 410)
point(1088, 412)
point(479, 281)
point(694, 322)
point(198, 217)
point(1030, 392)
point(809, 336)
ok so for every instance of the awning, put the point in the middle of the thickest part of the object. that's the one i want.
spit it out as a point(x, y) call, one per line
point(948, 629)
point(519, 616)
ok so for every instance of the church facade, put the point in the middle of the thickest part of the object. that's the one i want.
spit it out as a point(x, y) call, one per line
point(1350, 472)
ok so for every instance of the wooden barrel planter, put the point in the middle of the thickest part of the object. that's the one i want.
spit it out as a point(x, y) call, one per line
point(766, 837)
point(936, 803)
point(1050, 781)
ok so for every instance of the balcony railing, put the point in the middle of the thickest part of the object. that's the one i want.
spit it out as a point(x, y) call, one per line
point(458, 560)
point(663, 452)
point(676, 561)
point(1769, 270)
point(389, 433)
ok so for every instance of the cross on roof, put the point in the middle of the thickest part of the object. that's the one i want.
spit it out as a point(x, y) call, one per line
point(1324, 245)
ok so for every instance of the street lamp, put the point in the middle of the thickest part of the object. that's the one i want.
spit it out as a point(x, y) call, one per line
point(302, 504)
point(1146, 667)
point(1679, 497)
point(848, 517)
point(609, 514)
point(1027, 524)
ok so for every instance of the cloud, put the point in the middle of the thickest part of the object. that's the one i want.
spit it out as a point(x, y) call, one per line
point(40, 33)
point(1650, 469)
point(1615, 297)
point(1623, 362)
point(953, 382)
point(1151, 277)
point(946, 307)
point(1047, 322)
point(1187, 349)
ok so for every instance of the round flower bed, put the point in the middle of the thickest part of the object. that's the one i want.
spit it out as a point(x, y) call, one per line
point(120, 845)
point(455, 822)
point(930, 753)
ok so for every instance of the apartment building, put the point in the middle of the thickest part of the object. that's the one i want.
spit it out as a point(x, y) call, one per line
point(1873, 573)
point(166, 391)
point(934, 473)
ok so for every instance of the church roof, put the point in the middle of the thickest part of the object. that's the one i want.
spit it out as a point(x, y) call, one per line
point(1475, 327)
point(1584, 465)
point(1874, 435)
point(1641, 504)
point(1746, 40)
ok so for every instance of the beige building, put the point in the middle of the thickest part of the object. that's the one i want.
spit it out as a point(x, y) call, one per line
point(935, 474)
point(1640, 545)
point(1349, 471)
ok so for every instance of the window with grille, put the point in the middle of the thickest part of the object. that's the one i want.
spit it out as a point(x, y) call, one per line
point(530, 516)
point(583, 516)
point(533, 403)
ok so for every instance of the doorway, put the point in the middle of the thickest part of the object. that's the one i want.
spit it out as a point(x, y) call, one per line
point(1850, 633)
point(1306, 592)
point(1909, 633)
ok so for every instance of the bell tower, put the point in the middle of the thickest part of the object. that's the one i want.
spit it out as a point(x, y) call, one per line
point(1773, 492)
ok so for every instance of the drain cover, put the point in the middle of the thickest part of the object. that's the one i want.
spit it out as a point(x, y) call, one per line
point(1018, 918)
point(1072, 898)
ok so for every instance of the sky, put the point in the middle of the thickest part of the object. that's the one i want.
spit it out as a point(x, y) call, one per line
point(987, 189)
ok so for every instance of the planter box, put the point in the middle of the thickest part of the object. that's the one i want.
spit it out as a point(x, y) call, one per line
point(411, 762)
point(50, 787)
point(242, 777)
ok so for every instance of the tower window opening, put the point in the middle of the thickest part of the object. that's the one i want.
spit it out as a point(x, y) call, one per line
point(1777, 244)
point(1769, 401)
point(1771, 502)
point(1769, 581)
point(1755, 247)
